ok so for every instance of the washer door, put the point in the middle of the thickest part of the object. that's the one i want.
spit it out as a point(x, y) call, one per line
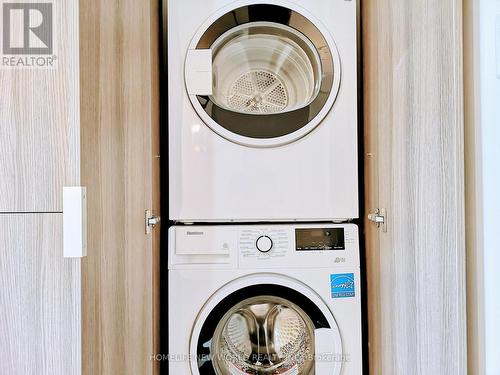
point(262, 74)
point(266, 328)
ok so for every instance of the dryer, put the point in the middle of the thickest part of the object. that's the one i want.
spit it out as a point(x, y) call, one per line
point(264, 299)
point(262, 102)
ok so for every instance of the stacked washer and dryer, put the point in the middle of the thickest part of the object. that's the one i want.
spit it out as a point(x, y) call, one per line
point(264, 268)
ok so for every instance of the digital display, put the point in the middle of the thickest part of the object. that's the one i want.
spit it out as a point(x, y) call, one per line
point(311, 239)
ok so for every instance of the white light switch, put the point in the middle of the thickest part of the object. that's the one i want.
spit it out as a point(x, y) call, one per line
point(75, 221)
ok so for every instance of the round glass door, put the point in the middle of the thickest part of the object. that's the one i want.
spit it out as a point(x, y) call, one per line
point(264, 335)
point(264, 68)
point(274, 74)
point(261, 329)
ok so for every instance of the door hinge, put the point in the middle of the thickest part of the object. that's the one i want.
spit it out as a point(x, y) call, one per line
point(151, 221)
point(379, 217)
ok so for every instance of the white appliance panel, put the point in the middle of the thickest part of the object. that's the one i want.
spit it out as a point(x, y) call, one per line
point(213, 179)
point(191, 288)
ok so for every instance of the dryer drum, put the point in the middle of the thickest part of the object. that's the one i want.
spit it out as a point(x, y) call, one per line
point(264, 68)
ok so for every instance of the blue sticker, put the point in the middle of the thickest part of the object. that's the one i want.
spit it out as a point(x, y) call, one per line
point(342, 285)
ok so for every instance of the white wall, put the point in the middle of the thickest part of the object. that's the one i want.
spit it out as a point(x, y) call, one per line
point(482, 71)
point(490, 158)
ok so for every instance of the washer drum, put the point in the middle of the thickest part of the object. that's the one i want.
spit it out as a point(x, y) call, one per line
point(264, 335)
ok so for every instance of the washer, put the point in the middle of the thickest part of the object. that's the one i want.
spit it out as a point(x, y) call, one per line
point(264, 299)
point(262, 102)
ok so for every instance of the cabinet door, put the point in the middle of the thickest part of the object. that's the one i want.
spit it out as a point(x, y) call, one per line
point(40, 329)
point(120, 168)
point(39, 122)
point(415, 170)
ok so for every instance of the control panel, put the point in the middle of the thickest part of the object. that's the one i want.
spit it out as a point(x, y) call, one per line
point(301, 245)
point(264, 246)
point(260, 242)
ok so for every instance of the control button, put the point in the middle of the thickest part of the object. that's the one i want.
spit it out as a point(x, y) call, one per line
point(264, 244)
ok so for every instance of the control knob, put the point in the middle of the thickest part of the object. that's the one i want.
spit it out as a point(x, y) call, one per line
point(264, 244)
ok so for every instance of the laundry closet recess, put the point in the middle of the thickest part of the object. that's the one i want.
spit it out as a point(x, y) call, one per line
point(94, 121)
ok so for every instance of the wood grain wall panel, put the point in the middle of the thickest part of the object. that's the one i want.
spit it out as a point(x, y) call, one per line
point(39, 124)
point(119, 114)
point(155, 31)
point(40, 300)
point(414, 119)
point(371, 159)
point(474, 185)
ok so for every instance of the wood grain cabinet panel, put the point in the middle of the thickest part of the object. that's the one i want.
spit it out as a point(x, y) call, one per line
point(40, 122)
point(40, 317)
point(91, 121)
point(413, 85)
point(120, 144)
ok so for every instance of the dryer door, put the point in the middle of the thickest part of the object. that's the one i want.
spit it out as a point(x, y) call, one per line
point(266, 328)
point(262, 75)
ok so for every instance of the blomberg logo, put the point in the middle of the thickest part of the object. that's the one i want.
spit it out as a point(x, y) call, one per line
point(27, 35)
point(195, 233)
